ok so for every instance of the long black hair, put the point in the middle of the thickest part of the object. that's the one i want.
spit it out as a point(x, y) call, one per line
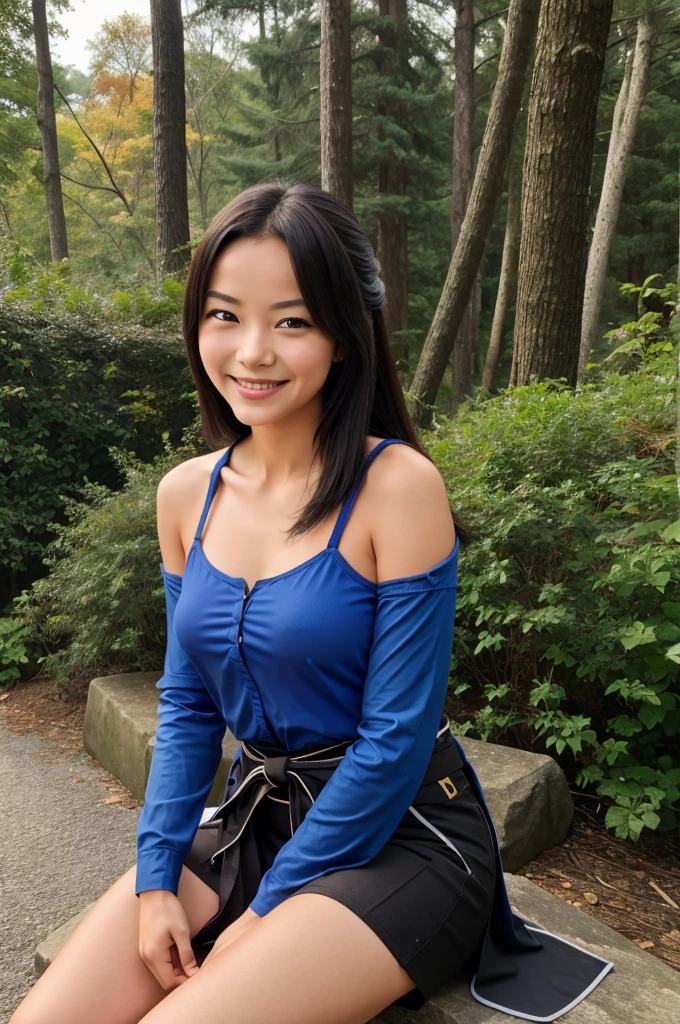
point(339, 280)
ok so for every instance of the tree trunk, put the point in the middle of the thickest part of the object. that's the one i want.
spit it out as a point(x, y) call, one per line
point(570, 55)
point(626, 119)
point(462, 173)
point(392, 226)
point(474, 312)
point(336, 100)
point(488, 184)
point(508, 276)
point(169, 137)
point(47, 124)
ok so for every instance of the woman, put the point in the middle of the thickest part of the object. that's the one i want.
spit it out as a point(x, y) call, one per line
point(310, 577)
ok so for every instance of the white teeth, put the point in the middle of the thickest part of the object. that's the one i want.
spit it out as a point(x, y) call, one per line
point(257, 387)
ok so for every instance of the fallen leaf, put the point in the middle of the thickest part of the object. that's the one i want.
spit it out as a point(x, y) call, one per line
point(574, 903)
point(528, 874)
point(566, 885)
point(77, 780)
point(113, 800)
point(645, 943)
point(590, 897)
point(4, 696)
point(675, 934)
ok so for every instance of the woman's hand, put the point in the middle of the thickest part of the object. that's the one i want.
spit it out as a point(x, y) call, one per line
point(164, 938)
point(232, 932)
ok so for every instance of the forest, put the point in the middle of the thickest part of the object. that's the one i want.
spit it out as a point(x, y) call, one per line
point(517, 169)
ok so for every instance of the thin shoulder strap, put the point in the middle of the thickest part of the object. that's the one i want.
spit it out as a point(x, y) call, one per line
point(214, 477)
point(349, 500)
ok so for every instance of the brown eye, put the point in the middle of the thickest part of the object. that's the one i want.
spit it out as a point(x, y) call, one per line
point(218, 313)
point(296, 320)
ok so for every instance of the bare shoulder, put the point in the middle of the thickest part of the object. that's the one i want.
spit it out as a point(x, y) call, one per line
point(185, 475)
point(412, 526)
point(179, 500)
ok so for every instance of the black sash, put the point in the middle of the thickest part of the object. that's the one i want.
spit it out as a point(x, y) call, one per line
point(521, 969)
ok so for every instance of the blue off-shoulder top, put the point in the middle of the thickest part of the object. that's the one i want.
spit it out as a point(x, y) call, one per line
point(315, 655)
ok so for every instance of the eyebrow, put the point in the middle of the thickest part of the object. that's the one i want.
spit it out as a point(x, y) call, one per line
point(285, 304)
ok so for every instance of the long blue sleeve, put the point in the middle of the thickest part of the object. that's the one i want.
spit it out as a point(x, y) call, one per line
point(184, 763)
point(371, 789)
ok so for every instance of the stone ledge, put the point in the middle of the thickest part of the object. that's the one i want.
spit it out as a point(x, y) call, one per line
point(527, 793)
point(641, 989)
point(120, 725)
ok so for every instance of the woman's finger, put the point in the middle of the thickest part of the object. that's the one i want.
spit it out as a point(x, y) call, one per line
point(185, 954)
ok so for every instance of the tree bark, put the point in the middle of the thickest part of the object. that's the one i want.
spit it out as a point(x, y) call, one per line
point(508, 277)
point(488, 184)
point(462, 174)
point(392, 225)
point(169, 137)
point(570, 55)
point(624, 129)
point(47, 125)
point(335, 86)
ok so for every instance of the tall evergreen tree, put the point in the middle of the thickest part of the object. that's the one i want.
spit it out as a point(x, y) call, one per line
point(335, 89)
point(487, 187)
point(169, 136)
point(48, 134)
point(626, 118)
point(462, 175)
point(392, 171)
point(570, 59)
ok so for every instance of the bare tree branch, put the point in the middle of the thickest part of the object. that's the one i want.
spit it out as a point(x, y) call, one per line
point(84, 184)
point(490, 17)
point(98, 152)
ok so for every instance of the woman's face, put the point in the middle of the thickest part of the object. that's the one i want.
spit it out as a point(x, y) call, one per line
point(242, 338)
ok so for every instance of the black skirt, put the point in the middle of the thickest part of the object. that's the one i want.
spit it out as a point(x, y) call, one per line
point(427, 895)
point(435, 894)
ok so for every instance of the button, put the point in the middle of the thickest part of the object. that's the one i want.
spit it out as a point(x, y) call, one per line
point(240, 639)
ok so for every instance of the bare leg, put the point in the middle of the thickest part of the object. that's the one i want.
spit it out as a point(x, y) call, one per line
point(98, 974)
point(310, 959)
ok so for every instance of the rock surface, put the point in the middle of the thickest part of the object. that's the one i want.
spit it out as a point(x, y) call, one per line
point(527, 793)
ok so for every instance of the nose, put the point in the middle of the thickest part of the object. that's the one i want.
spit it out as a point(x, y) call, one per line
point(254, 348)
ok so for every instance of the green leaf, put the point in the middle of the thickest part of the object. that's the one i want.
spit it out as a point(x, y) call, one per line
point(672, 532)
point(615, 816)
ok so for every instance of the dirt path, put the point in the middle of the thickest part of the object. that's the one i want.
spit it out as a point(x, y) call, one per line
point(61, 843)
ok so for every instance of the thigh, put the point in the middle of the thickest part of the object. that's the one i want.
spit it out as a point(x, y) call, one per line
point(310, 959)
point(98, 974)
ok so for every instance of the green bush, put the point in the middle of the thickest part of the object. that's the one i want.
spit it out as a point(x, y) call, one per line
point(101, 608)
point(73, 388)
point(568, 617)
point(55, 290)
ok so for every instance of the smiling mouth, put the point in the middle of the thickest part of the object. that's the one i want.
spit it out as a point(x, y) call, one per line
point(264, 385)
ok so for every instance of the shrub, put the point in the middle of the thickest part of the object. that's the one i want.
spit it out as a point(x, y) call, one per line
point(568, 618)
point(101, 608)
point(73, 388)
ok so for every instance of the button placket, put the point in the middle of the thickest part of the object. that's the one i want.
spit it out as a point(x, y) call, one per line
point(240, 656)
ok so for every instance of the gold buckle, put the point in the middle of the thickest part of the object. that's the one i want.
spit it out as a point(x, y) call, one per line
point(448, 787)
